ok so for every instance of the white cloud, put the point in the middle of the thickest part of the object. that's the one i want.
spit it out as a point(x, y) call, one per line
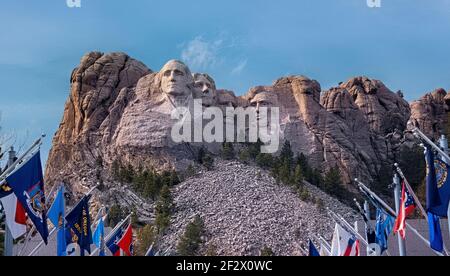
point(240, 67)
point(202, 54)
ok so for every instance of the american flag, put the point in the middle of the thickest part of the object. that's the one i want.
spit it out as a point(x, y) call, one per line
point(407, 206)
point(410, 204)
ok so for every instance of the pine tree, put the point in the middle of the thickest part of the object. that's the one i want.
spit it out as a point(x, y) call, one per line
point(201, 155)
point(163, 210)
point(244, 156)
point(115, 169)
point(285, 172)
point(304, 165)
point(316, 178)
point(134, 218)
point(254, 149)
point(174, 179)
point(298, 176)
point(145, 237)
point(191, 239)
point(286, 154)
point(264, 160)
point(333, 182)
point(227, 151)
point(267, 252)
point(208, 162)
point(190, 171)
point(115, 214)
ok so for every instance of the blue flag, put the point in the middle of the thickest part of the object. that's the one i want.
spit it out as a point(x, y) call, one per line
point(384, 227)
point(438, 184)
point(79, 222)
point(99, 237)
point(57, 215)
point(434, 225)
point(313, 252)
point(28, 186)
point(150, 252)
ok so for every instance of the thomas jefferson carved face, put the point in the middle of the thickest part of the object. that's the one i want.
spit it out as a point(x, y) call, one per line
point(176, 79)
point(226, 99)
point(205, 89)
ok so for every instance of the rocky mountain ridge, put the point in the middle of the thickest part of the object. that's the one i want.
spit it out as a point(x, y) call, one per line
point(118, 111)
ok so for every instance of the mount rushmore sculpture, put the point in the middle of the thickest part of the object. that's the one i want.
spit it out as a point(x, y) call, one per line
point(120, 110)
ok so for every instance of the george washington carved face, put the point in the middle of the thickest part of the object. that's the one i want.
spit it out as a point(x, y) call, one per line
point(205, 89)
point(176, 79)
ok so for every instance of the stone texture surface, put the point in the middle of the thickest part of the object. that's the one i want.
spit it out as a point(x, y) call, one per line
point(429, 113)
point(244, 210)
point(384, 110)
point(117, 111)
point(100, 88)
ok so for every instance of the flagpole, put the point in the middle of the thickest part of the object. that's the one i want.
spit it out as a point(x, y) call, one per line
point(326, 245)
point(428, 141)
point(325, 242)
point(411, 191)
point(443, 142)
point(97, 219)
point(417, 201)
point(389, 209)
point(149, 250)
point(346, 226)
point(55, 228)
point(28, 237)
point(12, 167)
point(120, 224)
point(8, 238)
point(398, 199)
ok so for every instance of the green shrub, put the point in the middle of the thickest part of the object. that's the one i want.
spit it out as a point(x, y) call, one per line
point(191, 240)
point(163, 210)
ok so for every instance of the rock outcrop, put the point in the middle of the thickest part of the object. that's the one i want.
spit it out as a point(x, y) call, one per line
point(100, 88)
point(119, 111)
point(384, 110)
point(430, 113)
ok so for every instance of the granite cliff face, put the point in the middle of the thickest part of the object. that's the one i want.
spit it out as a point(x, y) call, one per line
point(101, 87)
point(430, 113)
point(118, 111)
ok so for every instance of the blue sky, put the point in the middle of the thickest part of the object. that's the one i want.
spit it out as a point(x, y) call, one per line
point(405, 43)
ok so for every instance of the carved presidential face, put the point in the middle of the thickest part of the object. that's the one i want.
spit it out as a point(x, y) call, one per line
point(205, 89)
point(176, 79)
point(226, 100)
point(265, 99)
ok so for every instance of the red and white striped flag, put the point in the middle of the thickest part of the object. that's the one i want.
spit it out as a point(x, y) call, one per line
point(407, 207)
point(16, 217)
